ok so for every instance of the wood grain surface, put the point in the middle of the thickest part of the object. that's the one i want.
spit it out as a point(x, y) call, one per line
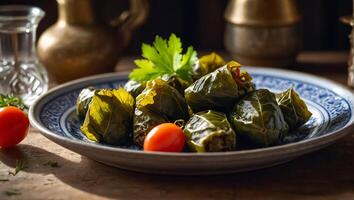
point(323, 175)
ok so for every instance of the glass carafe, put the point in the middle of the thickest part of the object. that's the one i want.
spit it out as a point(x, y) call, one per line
point(21, 74)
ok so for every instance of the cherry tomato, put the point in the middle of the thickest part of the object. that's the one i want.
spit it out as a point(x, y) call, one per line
point(167, 137)
point(14, 126)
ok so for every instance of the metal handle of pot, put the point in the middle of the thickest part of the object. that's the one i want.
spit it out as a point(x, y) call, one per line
point(131, 19)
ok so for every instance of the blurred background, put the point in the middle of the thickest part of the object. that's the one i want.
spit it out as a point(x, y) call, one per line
point(200, 22)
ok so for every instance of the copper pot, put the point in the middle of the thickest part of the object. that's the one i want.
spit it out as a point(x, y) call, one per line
point(77, 45)
point(262, 32)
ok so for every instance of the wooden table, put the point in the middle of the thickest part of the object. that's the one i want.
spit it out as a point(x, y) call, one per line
point(325, 174)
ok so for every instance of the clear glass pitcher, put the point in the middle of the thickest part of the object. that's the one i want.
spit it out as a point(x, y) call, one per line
point(21, 74)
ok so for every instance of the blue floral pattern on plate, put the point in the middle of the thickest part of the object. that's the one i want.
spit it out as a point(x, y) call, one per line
point(331, 104)
point(330, 110)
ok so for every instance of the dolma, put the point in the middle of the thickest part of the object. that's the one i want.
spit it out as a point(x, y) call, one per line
point(83, 101)
point(176, 82)
point(207, 64)
point(293, 107)
point(161, 98)
point(209, 131)
point(220, 89)
point(134, 87)
point(158, 103)
point(109, 117)
point(258, 120)
point(144, 121)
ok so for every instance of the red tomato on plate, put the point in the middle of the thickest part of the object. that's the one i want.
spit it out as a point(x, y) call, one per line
point(14, 126)
point(167, 137)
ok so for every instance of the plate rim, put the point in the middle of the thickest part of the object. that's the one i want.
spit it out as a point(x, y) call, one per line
point(281, 149)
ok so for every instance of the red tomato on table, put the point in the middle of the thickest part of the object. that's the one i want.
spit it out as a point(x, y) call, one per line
point(167, 137)
point(14, 126)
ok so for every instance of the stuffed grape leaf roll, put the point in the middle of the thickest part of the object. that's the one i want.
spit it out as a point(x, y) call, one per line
point(158, 103)
point(160, 97)
point(207, 64)
point(144, 121)
point(220, 89)
point(209, 131)
point(83, 101)
point(109, 117)
point(258, 120)
point(179, 84)
point(293, 107)
point(135, 87)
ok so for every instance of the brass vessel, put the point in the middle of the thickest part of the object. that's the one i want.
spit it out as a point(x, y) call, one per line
point(349, 20)
point(77, 45)
point(260, 32)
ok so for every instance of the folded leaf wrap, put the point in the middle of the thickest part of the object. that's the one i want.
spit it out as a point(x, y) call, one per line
point(179, 84)
point(207, 64)
point(158, 103)
point(220, 89)
point(160, 97)
point(109, 117)
point(135, 87)
point(293, 107)
point(83, 101)
point(144, 121)
point(258, 120)
point(209, 131)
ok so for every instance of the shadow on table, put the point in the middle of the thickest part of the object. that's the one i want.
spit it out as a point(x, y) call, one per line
point(326, 172)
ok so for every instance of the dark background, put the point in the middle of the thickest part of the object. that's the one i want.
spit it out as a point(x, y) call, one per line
point(200, 22)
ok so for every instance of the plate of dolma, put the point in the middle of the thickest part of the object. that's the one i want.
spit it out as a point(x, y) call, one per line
point(267, 117)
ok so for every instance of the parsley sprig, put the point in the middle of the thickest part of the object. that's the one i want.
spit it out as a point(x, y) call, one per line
point(12, 192)
point(20, 165)
point(164, 58)
point(8, 100)
point(51, 163)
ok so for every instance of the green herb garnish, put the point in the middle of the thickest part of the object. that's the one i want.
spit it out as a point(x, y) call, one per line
point(164, 58)
point(8, 100)
point(12, 192)
point(52, 164)
point(20, 165)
